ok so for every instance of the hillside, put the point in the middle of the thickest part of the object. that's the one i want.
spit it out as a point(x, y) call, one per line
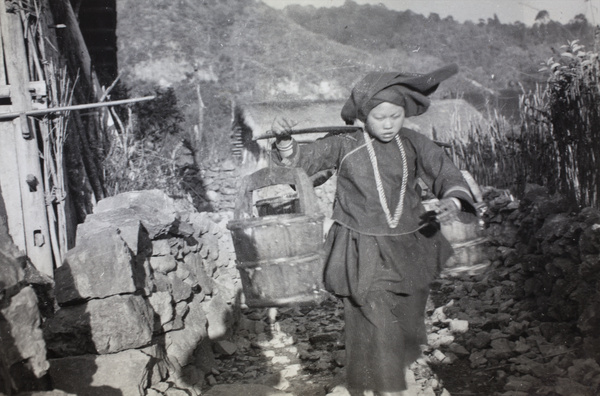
point(234, 51)
point(490, 52)
point(254, 52)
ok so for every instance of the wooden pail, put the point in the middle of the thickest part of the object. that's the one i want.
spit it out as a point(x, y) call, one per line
point(280, 254)
point(466, 234)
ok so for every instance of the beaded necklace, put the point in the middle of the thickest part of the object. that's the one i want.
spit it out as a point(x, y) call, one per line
point(391, 220)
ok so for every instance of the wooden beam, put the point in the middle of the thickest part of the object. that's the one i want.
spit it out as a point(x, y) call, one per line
point(22, 191)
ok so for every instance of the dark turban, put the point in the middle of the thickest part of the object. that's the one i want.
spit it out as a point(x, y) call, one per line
point(403, 89)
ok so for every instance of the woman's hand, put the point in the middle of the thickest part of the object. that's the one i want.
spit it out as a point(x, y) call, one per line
point(282, 129)
point(446, 207)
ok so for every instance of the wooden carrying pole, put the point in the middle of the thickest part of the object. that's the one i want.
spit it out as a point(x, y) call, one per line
point(334, 130)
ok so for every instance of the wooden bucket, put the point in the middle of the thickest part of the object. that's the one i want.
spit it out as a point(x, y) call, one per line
point(466, 234)
point(280, 254)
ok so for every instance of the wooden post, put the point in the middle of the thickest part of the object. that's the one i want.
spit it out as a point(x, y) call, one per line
point(22, 179)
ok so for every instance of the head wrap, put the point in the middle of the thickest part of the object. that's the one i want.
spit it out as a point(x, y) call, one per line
point(408, 90)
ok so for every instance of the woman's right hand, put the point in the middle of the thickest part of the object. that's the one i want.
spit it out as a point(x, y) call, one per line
point(282, 129)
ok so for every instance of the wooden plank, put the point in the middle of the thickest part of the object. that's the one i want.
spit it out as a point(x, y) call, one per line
point(33, 213)
point(9, 184)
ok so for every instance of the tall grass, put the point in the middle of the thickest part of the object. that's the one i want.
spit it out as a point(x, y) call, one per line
point(490, 152)
point(557, 142)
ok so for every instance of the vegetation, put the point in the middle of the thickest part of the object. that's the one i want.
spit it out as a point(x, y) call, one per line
point(144, 149)
point(217, 54)
point(489, 52)
point(557, 141)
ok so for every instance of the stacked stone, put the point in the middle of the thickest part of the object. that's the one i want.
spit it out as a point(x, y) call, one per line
point(148, 286)
point(23, 361)
point(222, 182)
point(530, 320)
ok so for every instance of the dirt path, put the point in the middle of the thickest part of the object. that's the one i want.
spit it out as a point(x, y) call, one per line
point(482, 342)
point(302, 353)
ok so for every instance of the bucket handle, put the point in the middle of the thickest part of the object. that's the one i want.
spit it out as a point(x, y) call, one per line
point(272, 176)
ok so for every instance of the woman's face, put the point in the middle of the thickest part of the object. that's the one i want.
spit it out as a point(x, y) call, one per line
point(385, 121)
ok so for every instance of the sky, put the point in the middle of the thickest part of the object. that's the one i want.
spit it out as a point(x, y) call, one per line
point(508, 11)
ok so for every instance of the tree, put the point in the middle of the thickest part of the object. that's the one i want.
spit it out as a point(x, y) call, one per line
point(542, 17)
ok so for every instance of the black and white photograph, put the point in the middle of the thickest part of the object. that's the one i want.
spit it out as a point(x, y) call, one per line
point(299, 197)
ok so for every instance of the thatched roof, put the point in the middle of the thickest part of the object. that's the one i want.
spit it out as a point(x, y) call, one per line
point(447, 117)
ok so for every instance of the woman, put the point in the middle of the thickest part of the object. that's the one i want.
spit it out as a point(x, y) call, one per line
point(383, 250)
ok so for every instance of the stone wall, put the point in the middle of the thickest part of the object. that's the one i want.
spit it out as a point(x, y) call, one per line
point(150, 285)
point(551, 251)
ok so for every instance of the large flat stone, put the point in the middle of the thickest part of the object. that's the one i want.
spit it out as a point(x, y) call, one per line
point(153, 208)
point(96, 268)
point(102, 326)
point(124, 374)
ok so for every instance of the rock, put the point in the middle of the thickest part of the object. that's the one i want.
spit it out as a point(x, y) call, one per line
point(102, 326)
point(478, 359)
point(163, 264)
point(125, 372)
point(162, 304)
point(501, 349)
point(276, 381)
point(184, 229)
point(180, 290)
point(283, 360)
point(161, 247)
point(458, 349)
point(481, 340)
point(21, 340)
point(12, 271)
point(458, 326)
point(440, 357)
point(213, 196)
point(195, 263)
point(122, 222)
point(339, 390)
point(152, 207)
point(324, 337)
point(228, 165)
point(181, 309)
point(220, 317)
point(568, 387)
point(225, 347)
point(181, 345)
point(97, 268)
